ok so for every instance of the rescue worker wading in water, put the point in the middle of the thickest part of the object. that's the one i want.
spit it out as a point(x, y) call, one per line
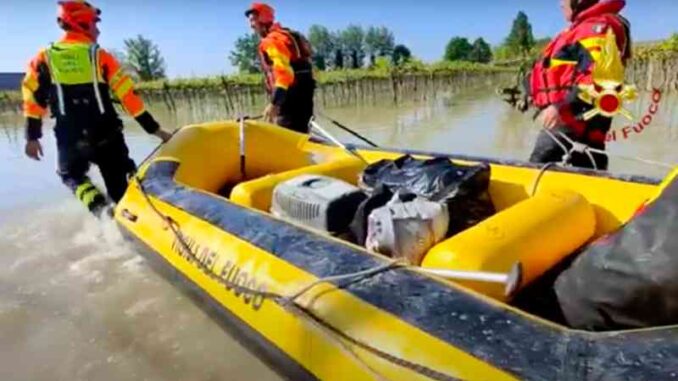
point(285, 57)
point(74, 77)
point(567, 62)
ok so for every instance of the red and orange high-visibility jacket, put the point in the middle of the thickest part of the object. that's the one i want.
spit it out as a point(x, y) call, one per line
point(569, 59)
point(284, 56)
point(74, 78)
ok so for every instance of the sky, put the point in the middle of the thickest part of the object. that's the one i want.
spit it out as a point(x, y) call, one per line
point(195, 36)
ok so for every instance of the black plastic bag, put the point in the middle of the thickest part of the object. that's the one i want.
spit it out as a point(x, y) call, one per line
point(628, 279)
point(462, 187)
point(433, 179)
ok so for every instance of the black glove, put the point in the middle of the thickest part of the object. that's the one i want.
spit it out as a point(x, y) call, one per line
point(514, 97)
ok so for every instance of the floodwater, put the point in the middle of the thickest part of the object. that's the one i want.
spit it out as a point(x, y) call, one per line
point(76, 303)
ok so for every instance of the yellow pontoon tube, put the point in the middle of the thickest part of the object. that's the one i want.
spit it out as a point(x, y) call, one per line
point(315, 307)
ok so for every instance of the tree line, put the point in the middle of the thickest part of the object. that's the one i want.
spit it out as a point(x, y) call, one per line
point(355, 47)
point(352, 48)
point(519, 44)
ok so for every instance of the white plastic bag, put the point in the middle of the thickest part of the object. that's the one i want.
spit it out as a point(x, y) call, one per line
point(407, 230)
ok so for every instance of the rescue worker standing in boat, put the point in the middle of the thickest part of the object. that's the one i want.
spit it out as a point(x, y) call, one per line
point(74, 77)
point(567, 62)
point(285, 57)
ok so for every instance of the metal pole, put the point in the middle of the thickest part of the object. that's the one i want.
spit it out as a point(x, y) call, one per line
point(242, 147)
point(332, 139)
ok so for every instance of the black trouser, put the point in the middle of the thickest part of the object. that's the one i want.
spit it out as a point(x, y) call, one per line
point(546, 150)
point(297, 109)
point(112, 158)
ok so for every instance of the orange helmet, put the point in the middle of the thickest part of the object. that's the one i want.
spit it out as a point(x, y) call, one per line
point(77, 15)
point(265, 12)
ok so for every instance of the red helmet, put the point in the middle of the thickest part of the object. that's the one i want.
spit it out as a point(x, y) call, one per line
point(265, 12)
point(77, 15)
point(579, 6)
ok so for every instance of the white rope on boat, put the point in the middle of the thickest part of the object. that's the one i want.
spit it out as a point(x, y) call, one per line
point(510, 280)
point(334, 337)
point(589, 151)
point(542, 171)
point(354, 275)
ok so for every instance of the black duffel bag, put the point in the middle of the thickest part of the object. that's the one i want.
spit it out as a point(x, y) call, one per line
point(464, 188)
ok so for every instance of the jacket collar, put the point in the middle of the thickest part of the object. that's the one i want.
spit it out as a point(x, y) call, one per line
point(604, 7)
point(75, 37)
point(276, 27)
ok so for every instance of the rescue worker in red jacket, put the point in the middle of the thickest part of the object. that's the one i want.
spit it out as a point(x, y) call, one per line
point(567, 62)
point(285, 57)
point(74, 78)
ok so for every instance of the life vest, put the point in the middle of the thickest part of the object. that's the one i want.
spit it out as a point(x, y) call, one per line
point(80, 98)
point(300, 54)
point(567, 59)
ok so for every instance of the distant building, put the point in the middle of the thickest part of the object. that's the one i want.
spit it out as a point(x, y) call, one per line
point(11, 81)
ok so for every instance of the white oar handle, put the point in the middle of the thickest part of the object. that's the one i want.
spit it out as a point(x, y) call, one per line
point(468, 275)
point(511, 280)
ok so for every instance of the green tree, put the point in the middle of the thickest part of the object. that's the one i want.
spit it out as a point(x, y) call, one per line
point(382, 64)
point(458, 49)
point(671, 43)
point(244, 55)
point(401, 54)
point(480, 51)
point(338, 50)
point(521, 39)
point(539, 46)
point(120, 56)
point(319, 61)
point(379, 42)
point(352, 39)
point(322, 43)
point(338, 61)
point(144, 58)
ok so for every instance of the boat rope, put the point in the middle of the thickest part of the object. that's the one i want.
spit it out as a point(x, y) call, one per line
point(583, 148)
point(157, 147)
point(418, 368)
point(334, 336)
point(356, 275)
point(542, 171)
point(576, 147)
point(290, 302)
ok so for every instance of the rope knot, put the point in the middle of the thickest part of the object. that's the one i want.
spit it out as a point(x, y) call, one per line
point(579, 147)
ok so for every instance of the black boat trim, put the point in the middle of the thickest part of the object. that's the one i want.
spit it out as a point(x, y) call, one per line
point(526, 348)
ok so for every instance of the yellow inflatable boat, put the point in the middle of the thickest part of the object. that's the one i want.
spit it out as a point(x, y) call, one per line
point(313, 306)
